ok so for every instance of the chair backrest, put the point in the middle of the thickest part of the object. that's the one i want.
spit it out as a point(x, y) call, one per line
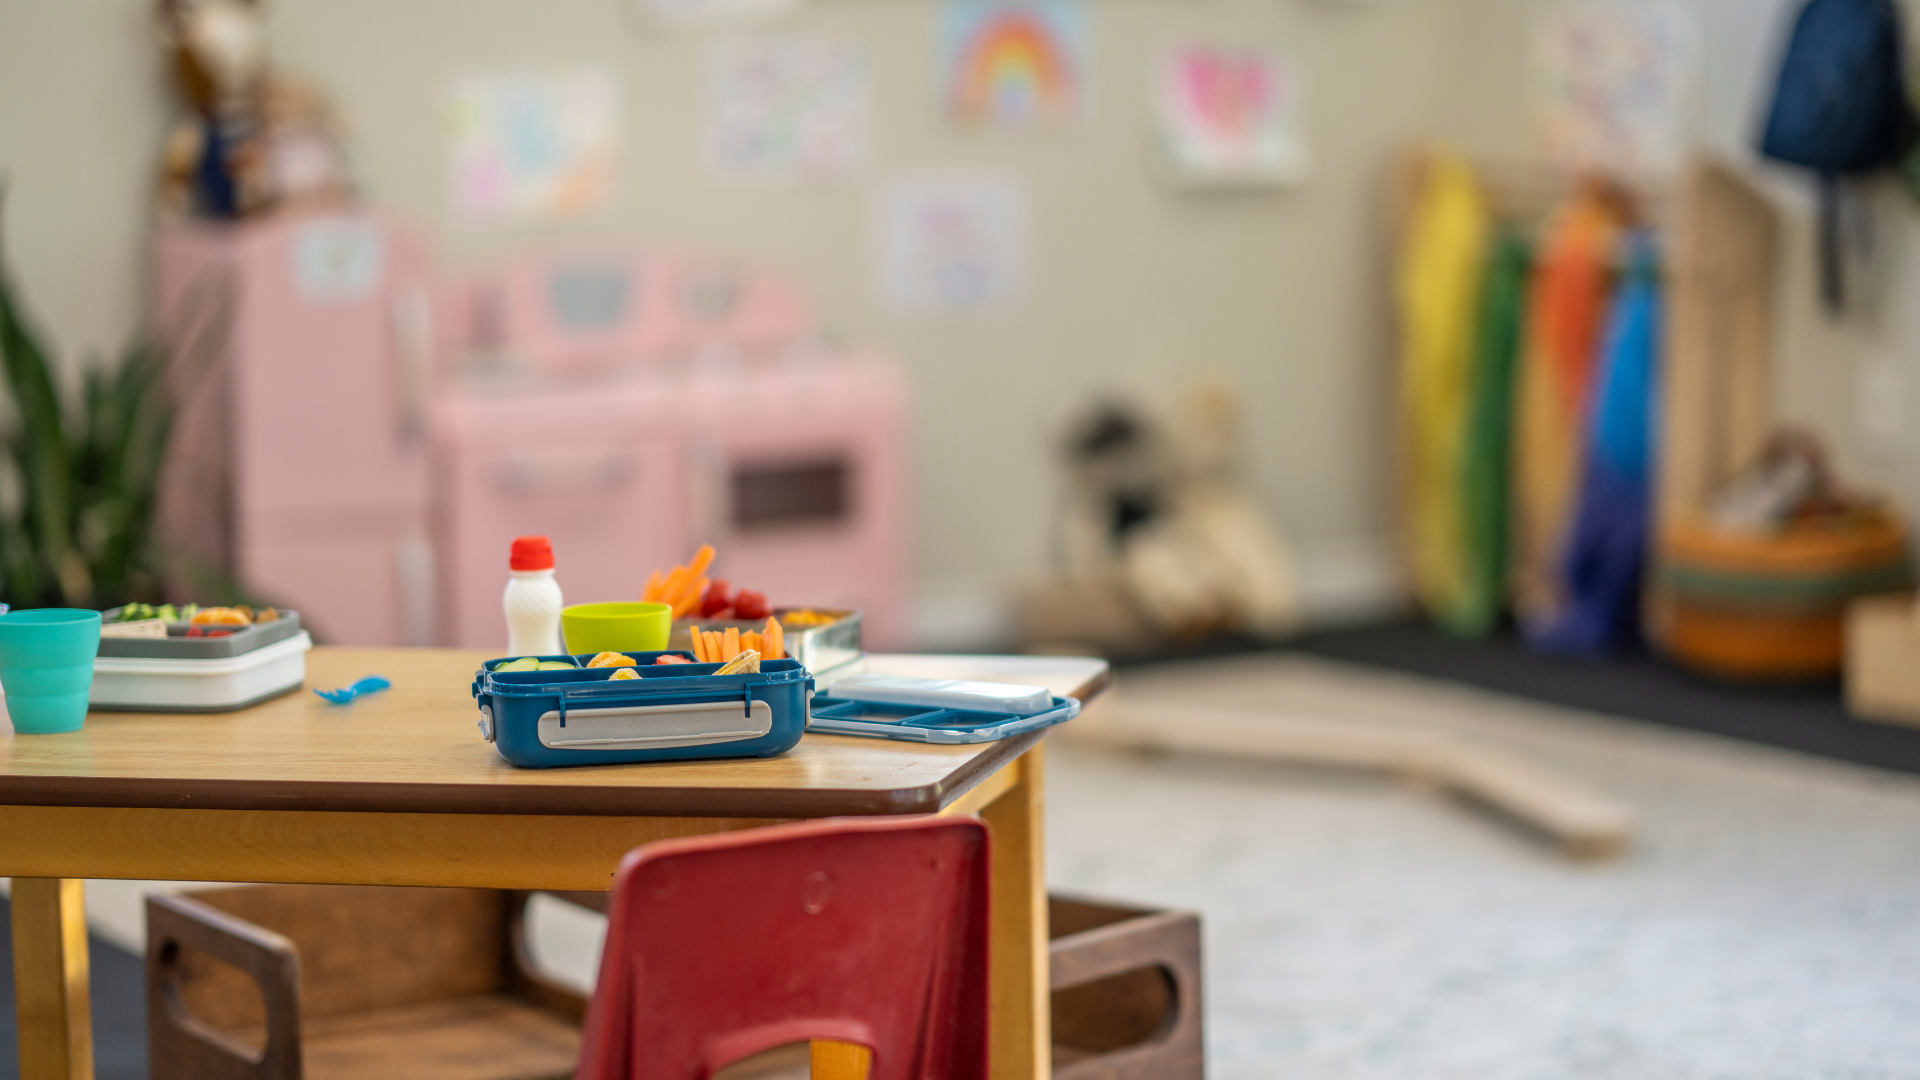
point(868, 931)
point(361, 948)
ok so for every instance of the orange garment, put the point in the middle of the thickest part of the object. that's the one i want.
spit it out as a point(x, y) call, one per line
point(1573, 275)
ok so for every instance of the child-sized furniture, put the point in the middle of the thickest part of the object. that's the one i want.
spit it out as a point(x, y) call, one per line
point(391, 792)
point(1126, 987)
point(1126, 992)
point(864, 931)
point(633, 405)
point(366, 438)
point(299, 465)
point(283, 982)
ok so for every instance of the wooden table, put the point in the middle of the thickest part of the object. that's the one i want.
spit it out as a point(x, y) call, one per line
point(399, 789)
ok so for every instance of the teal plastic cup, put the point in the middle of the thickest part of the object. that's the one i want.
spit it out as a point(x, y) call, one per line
point(46, 666)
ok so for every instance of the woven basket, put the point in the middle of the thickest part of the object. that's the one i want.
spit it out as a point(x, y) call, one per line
point(1751, 606)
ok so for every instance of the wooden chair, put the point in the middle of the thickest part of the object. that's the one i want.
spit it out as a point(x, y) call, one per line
point(313, 982)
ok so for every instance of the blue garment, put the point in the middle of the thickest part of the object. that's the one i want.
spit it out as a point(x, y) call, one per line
point(1840, 108)
point(1840, 102)
point(216, 194)
point(1607, 547)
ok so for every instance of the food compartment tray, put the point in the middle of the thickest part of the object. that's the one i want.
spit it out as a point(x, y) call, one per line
point(177, 646)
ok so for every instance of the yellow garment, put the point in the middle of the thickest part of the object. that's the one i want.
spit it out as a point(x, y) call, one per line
point(1573, 275)
point(1442, 265)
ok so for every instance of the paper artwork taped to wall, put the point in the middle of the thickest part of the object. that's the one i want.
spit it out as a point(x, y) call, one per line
point(786, 108)
point(1614, 86)
point(1231, 115)
point(1013, 64)
point(951, 244)
point(531, 146)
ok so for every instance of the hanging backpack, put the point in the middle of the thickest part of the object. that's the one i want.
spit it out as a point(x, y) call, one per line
point(1840, 107)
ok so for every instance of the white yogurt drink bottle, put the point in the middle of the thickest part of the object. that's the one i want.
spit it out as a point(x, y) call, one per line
point(533, 599)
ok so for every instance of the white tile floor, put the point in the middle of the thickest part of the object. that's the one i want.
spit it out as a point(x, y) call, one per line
point(1766, 924)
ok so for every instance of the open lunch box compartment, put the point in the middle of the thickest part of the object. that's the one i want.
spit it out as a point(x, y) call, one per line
point(929, 723)
point(178, 646)
point(827, 650)
point(672, 712)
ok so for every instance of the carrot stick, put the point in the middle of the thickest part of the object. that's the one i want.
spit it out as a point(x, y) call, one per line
point(690, 599)
point(776, 639)
point(670, 588)
point(713, 647)
point(732, 648)
point(699, 653)
point(701, 560)
point(652, 591)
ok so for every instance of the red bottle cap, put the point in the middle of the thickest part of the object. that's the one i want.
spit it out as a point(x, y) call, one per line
point(531, 553)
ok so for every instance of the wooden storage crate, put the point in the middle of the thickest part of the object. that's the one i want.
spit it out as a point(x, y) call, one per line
point(1126, 992)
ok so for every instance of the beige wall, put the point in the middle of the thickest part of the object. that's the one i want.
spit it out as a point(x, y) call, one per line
point(81, 111)
point(1133, 281)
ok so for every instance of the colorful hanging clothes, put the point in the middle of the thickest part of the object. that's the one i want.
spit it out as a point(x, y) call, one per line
point(1606, 552)
point(1486, 462)
point(1441, 267)
point(1565, 305)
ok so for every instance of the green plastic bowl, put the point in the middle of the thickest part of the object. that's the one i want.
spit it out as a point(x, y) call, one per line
point(637, 626)
point(46, 666)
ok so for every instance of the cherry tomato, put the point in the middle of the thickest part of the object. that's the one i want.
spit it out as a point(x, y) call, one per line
point(748, 604)
point(719, 595)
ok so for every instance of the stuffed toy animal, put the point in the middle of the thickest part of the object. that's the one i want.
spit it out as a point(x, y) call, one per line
point(253, 141)
point(1156, 510)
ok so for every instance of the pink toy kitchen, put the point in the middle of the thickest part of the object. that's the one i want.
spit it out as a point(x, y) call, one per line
point(368, 434)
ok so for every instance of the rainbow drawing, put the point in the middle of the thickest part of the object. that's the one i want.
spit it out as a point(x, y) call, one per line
point(1013, 63)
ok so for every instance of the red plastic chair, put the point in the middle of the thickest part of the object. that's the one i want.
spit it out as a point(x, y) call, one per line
point(867, 931)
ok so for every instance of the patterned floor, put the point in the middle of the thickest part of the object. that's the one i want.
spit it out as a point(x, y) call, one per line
point(1766, 923)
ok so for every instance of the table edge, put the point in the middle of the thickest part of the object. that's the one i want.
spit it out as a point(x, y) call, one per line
point(609, 800)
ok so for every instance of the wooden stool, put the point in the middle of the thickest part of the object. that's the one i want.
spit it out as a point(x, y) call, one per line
point(283, 982)
point(1126, 992)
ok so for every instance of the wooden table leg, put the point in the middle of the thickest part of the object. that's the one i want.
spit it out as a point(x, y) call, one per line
point(1021, 1008)
point(50, 979)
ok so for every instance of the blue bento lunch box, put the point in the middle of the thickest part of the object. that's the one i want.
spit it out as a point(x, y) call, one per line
point(672, 712)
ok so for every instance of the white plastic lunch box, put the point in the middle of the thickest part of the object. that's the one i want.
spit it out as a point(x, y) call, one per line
point(146, 684)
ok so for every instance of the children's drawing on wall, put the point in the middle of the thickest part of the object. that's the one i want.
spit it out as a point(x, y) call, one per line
point(1230, 115)
point(533, 146)
point(1013, 64)
point(951, 244)
point(786, 108)
point(1613, 86)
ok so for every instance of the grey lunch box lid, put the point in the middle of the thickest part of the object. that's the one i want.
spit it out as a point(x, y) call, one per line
point(175, 646)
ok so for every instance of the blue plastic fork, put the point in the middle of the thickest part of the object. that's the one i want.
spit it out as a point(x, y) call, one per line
point(372, 684)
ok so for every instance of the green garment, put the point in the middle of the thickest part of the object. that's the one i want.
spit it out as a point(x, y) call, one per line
point(1486, 465)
